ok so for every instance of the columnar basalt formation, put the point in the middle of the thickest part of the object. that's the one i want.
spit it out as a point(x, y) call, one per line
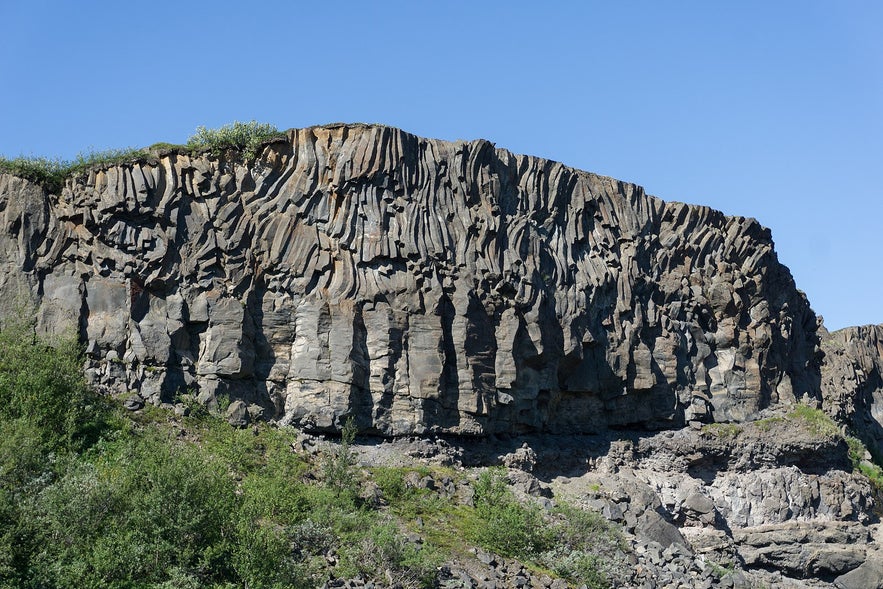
point(417, 285)
point(852, 381)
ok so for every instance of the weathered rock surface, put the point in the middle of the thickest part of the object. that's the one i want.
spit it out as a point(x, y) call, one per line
point(417, 285)
point(852, 381)
point(769, 503)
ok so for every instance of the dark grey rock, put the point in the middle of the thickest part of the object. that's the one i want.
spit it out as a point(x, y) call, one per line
point(134, 402)
point(417, 285)
point(852, 380)
point(869, 575)
point(237, 414)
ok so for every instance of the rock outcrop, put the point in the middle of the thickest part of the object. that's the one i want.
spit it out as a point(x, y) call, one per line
point(772, 502)
point(852, 381)
point(417, 285)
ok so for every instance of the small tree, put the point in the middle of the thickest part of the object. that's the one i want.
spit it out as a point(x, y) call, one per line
point(339, 464)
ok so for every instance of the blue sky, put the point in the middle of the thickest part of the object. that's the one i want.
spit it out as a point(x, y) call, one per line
point(766, 109)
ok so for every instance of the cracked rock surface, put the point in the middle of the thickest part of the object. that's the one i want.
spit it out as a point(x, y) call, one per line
point(418, 285)
point(852, 381)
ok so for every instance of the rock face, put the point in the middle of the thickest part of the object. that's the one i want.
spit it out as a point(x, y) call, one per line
point(852, 381)
point(772, 502)
point(417, 285)
point(770, 495)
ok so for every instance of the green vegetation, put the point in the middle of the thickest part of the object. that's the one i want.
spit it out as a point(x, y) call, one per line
point(816, 420)
point(869, 468)
point(768, 423)
point(246, 138)
point(95, 496)
point(574, 544)
point(42, 389)
point(51, 172)
point(338, 466)
point(503, 524)
point(722, 430)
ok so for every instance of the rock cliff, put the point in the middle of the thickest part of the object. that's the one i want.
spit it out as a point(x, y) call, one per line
point(417, 285)
point(852, 381)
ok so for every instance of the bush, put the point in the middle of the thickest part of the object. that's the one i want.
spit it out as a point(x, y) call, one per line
point(870, 469)
point(47, 172)
point(51, 172)
point(587, 548)
point(43, 385)
point(339, 464)
point(391, 482)
point(248, 137)
point(576, 544)
point(503, 524)
point(577, 566)
point(144, 510)
point(385, 552)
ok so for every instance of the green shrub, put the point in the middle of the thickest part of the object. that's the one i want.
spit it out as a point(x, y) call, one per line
point(586, 549)
point(145, 509)
point(106, 157)
point(43, 385)
point(870, 469)
point(263, 556)
point(47, 172)
point(339, 464)
point(502, 523)
point(385, 552)
point(577, 566)
point(392, 483)
point(51, 172)
point(248, 137)
point(582, 529)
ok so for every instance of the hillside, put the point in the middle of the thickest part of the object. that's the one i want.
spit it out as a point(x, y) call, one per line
point(350, 356)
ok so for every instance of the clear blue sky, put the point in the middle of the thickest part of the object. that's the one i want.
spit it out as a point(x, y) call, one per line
point(769, 109)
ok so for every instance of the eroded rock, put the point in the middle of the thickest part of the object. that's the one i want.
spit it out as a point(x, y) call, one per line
point(417, 285)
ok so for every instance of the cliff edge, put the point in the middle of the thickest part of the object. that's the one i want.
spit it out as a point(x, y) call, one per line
point(416, 285)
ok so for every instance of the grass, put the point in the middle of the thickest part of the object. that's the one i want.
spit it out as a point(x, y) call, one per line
point(768, 423)
point(727, 431)
point(237, 137)
point(51, 172)
point(92, 495)
point(816, 420)
point(869, 468)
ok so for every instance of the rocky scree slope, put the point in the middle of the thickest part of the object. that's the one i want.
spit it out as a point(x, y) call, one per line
point(767, 503)
point(417, 285)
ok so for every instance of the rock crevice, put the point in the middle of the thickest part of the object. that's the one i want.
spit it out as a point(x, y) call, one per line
point(418, 285)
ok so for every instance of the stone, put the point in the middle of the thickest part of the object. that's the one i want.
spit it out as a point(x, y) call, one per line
point(417, 285)
point(868, 575)
point(852, 380)
point(237, 414)
point(651, 526)
point(133, 402)
point(698, 503)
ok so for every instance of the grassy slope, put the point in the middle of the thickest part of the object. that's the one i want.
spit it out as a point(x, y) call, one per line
point(94, 496)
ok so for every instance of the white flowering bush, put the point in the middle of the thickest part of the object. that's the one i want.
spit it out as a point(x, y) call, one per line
point(247, 137)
